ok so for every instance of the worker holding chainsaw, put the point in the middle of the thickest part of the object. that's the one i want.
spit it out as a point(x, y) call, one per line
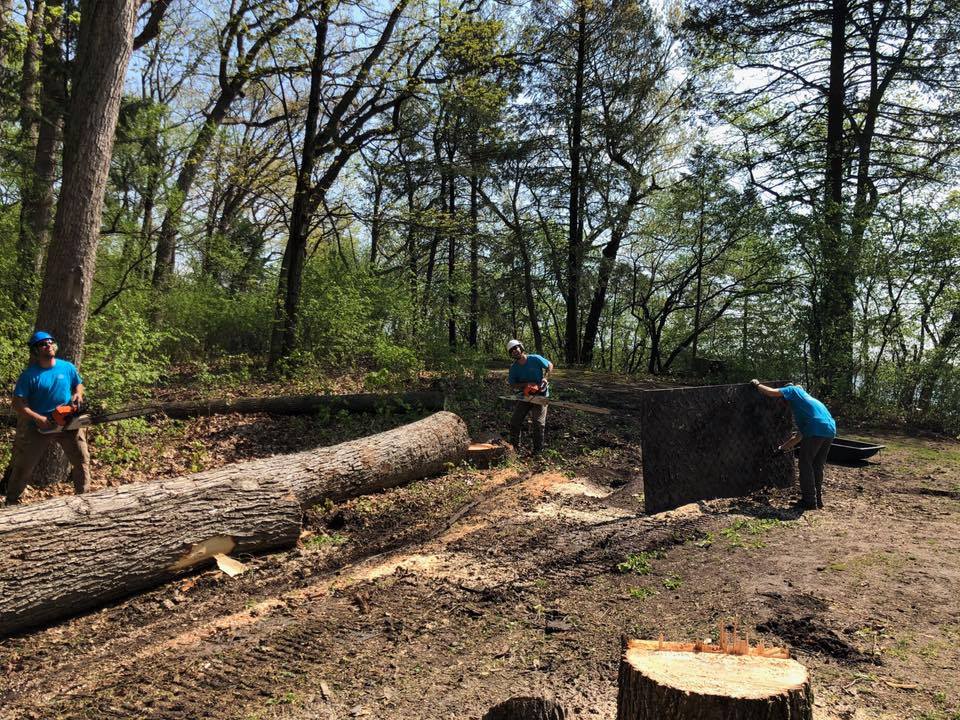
point(48, 393)
point(528, 376)
point(817, 428)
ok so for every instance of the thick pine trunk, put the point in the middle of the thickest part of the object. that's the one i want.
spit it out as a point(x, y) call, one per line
point(70, 554)
point(678, 683)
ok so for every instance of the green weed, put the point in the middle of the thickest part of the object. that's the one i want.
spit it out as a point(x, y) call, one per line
point(638, 563)
point(747, 533)
point(316, 542)
point(641, 593)
point(672, 582)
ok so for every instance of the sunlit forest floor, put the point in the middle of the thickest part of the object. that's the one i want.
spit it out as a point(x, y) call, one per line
point(443, 598)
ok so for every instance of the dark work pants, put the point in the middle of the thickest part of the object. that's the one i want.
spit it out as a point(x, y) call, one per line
point(813, 456)
point(539, 416)
point(28, 447)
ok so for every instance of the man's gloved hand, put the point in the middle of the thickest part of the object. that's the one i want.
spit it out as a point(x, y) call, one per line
point(754, 382)
point(543, 385)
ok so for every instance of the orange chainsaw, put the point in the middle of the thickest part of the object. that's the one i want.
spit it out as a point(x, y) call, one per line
point(531, 394)
point(66, 418)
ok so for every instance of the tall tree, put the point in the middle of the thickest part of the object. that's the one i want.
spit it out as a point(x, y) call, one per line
point(340, 120)
point(104, 46)
point(240, 48)
point(894, 67)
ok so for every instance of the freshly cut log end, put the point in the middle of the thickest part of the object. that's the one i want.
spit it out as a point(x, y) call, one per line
point(681, 684)
point(485, 455)
point(526, 708)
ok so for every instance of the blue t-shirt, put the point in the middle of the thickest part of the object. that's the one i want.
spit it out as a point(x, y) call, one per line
point(45, 389)
point(530, 372)
point(812, 417)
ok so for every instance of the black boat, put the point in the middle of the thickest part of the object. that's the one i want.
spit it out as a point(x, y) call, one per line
point(847, 450)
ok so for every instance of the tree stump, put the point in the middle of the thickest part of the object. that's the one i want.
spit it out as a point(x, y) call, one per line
point(526, 708)
point(686, 681)
point(484, 454)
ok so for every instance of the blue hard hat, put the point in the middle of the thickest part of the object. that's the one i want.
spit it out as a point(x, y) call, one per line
point(39, 336)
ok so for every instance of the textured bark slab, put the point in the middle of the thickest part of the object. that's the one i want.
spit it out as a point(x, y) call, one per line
point(526, 708)
point(69, 554)
point(284, 405)
point(711, 442)
point(678, 685)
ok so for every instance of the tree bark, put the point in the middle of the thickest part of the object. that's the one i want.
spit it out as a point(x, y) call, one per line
point(103, 51)
point(526, 708)
point(474, 260)
point(73, 553)
point(36, 205)
point(287, 301)
point(575, 239)
point(832, 339)
point(681, 684)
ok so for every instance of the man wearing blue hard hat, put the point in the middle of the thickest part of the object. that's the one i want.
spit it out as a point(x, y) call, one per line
point(48, 382)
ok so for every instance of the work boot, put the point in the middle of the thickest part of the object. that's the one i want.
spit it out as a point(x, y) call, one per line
point(537, 438)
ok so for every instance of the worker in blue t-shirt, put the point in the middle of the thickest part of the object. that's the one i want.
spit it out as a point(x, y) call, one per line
point(817, 428)
point(48, 383)
point(528, 370)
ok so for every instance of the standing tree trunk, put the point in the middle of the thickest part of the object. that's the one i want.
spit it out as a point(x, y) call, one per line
point(832, 340)
point(167, 239)
point(474, 260)
point(104, 46)
point(608, 258)
point(36, 209)
point(287, 301)
point(451, 259)
point(575, 232)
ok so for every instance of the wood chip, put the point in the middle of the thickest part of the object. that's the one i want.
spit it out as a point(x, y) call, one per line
point(230, 566)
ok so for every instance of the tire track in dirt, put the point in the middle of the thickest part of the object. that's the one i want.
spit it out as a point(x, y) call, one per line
point(254, 656)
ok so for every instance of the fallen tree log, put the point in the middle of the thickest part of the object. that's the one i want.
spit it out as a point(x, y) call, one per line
point(282, 405)
point(694, 681)
point(70, 554)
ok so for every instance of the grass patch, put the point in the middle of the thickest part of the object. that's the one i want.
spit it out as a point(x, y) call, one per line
point(317, 542)
point(749, 533)
point(672, 582)
point(641, 593)
point(638, 563)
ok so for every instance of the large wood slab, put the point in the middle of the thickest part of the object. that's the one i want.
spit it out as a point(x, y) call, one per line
point(711, 442)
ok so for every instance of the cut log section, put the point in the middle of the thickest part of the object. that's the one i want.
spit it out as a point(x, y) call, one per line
point(694, 681)
point(485, 455)
point(283, 405)
point(70, 554)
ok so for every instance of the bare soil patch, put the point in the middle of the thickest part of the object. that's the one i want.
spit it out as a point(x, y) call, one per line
point(444, 598)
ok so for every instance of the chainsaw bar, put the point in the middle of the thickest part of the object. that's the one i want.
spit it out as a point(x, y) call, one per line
point(540, 400)
point(85, 420)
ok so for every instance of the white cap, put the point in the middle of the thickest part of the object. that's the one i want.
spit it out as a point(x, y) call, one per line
point(512, 344)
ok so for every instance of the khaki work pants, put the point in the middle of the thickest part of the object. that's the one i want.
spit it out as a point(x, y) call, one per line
point(539, 414)
point(28, 447)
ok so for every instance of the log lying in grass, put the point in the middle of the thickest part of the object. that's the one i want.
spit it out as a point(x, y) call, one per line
point(686, 681)
point(283, 405)
point(70, 554)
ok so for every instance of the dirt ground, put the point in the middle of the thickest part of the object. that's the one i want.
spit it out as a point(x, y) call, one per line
point(443, 598)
